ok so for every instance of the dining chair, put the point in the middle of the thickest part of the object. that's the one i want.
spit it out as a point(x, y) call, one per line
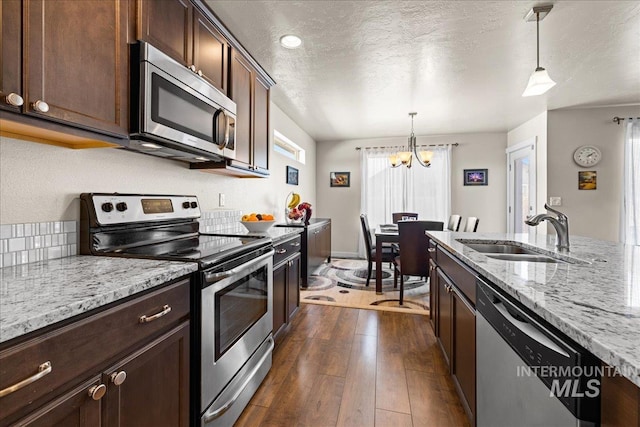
point(454, 223)
point(388, 254)
point(471, 225)
point(399, 216)
point(413, 259)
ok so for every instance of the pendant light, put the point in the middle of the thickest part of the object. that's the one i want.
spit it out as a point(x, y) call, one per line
point(539, 82)
point(405, 157)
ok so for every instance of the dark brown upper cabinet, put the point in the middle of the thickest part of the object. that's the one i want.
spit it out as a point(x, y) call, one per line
point(180, 30)
point(251, 95)
point(63, 67)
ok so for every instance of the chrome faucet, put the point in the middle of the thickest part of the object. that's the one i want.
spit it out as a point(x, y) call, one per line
point(561, 224)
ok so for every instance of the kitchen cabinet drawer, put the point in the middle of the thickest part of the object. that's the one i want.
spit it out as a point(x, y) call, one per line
point(286, 249)
point(77, 348)
point(462, 276)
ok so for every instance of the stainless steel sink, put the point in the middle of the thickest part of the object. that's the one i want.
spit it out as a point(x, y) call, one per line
point(528, 257)
point(494, 248)
point(508, 251)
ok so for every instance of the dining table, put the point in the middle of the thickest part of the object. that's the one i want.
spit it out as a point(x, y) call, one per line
point(384, 234)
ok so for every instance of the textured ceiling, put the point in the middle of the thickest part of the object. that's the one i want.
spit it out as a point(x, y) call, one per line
point(462, 65)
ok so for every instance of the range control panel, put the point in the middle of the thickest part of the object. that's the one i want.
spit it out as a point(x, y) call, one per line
point(113, 209)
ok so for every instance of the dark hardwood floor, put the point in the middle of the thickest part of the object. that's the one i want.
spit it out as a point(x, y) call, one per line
point(349, 367)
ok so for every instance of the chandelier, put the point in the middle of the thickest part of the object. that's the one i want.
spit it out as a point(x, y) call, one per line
point(405, 157)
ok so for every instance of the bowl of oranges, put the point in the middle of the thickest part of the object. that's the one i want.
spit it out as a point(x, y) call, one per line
point(257, 223)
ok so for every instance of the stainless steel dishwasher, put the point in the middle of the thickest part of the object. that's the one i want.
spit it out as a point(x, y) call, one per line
point(513, 345)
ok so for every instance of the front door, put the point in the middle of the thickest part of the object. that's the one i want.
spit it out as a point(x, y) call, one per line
point(521, 185)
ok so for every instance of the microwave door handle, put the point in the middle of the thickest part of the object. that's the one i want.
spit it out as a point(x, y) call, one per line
point(227, 125)
point(221, 144)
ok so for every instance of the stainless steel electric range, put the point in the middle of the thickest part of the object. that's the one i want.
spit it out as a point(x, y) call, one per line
point(232, 292)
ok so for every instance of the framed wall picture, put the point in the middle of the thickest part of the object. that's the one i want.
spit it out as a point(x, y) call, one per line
point(340, 179)
point(292, 175)
point(587, 180)
point(476, 177)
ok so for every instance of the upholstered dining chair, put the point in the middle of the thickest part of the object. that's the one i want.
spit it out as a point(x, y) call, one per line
point(454, 223)
point(413, 259)
point(388, 254)
point(399, 216)
point(471, 225)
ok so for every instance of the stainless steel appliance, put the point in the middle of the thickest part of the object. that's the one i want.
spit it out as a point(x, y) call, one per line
point(232, 292)
point(527, 373)
point(175, 113)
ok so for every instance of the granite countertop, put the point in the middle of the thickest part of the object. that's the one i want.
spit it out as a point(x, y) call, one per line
point(596, 303)
point(312, 222)
point(274, 233)
point(36, 295)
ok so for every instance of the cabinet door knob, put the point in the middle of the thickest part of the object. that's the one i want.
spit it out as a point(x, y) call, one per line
point(118, 377)
point(97, 391)
point(192, 67)
point(40, 106)
point(281, 251)
point(14, 99)
point(431, 250)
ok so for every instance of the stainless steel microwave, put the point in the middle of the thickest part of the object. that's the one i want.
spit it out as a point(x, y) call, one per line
point(175, 113)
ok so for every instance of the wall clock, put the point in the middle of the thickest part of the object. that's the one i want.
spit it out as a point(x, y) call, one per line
point(587, 156)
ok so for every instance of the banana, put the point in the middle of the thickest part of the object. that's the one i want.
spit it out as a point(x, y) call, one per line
point(295, 199)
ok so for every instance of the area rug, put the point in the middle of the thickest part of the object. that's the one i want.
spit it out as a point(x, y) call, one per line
point(343, 283)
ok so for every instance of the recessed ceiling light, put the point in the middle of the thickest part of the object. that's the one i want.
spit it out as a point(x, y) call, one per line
point(202, 158)
point(290, 41)
point(149, 145)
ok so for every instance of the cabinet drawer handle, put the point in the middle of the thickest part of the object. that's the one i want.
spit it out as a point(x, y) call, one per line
point(432, 250)
point(165, 310)
point(14, 99)
point(43, 370)
point(118, 378)
point(40, 106)
point(281, 251)
point(97, 391)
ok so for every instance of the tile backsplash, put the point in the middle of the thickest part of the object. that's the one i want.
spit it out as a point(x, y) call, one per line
point(37, 241)
point(40, 241)
point(219, 221)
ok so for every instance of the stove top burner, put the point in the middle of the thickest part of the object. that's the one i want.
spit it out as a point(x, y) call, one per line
point(205, 249)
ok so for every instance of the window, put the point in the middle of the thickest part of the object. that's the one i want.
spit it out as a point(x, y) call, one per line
point(288, 148)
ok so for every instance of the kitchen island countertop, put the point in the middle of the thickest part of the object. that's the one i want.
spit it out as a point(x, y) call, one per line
point(33, 296)
point(597, 303)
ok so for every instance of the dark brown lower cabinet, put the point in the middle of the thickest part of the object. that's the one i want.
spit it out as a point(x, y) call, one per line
point(433, 295)
point(155, 389)
point(108, 368)
point(454, 324)
point(286, 283)
point(463, 367)
point(445, 316)
point(74, 408)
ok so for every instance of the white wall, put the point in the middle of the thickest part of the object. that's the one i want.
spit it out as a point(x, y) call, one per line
point(592, 213)
point(342, 205)
point(534, 128)
point(41, 182)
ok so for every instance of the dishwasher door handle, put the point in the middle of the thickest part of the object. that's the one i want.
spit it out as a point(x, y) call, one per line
point(527, 328)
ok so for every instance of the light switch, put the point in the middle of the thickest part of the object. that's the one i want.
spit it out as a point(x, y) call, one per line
point(221, 199)
point(555, 201)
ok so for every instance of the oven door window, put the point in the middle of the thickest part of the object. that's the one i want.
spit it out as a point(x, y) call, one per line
point(238, 307)
point(173, 107)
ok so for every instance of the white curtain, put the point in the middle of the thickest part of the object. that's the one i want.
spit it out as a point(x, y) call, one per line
point(630, 221)
point(385, 190)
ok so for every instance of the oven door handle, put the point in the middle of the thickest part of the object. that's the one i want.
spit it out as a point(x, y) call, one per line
point(217, 413)
point(216, 277)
